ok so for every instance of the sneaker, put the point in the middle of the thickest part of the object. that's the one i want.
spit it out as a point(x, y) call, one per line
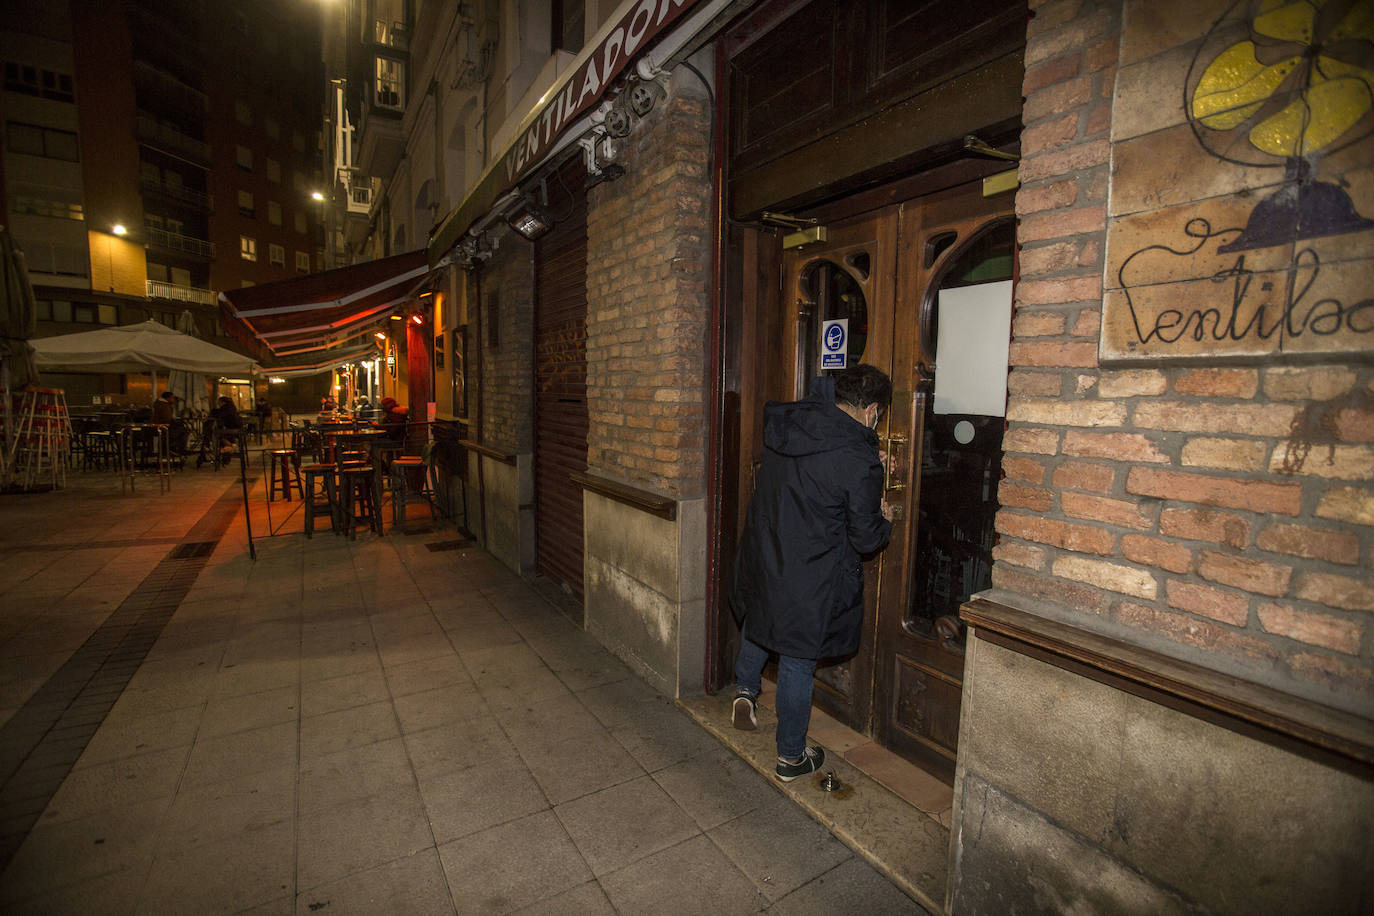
point(746, 712)
point(813, 758)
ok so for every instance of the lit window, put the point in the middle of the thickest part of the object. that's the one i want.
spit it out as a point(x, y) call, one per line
point(274, 213)
point(303, 262)
point(248, 248)
point(246, 204)
point(276, 254)
point(243, 158)
point(389, 87)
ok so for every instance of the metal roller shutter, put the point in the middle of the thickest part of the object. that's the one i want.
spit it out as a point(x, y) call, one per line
point(560, 446)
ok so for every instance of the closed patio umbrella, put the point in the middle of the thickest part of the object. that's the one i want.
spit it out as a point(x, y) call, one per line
point(186, 385)
point(17, 316)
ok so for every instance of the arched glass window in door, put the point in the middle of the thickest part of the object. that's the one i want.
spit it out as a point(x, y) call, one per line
point(961, 448)
point(831, 290)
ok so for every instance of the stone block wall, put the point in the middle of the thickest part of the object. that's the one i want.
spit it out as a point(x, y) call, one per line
point(1210, 498)
point(648, 300)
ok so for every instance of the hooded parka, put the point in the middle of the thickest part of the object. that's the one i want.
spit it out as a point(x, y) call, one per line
point(816, 509)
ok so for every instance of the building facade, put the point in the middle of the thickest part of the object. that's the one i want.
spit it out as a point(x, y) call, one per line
point(1114, 255)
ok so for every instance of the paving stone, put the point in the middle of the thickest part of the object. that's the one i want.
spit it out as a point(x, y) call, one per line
point(513, 865)
point(623, 824)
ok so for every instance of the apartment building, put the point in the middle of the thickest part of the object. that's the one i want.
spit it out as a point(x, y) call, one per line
point(156, 153)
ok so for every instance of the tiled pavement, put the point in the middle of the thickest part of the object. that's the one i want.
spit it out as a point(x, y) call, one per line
point(351, 727)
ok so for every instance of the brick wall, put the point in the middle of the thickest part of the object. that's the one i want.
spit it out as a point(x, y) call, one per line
point(507, 379)
point(1221, 513)
point(648, 301)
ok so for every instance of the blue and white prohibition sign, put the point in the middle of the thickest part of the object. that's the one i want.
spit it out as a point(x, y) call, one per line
point(834, 337)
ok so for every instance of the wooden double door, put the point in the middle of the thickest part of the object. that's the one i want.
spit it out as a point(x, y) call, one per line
point(897, 274)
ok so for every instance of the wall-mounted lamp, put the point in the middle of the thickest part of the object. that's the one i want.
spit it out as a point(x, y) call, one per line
point(529, 219)
point(418, 319)
point(380, 336)
point(118, 229)
point(316, 196)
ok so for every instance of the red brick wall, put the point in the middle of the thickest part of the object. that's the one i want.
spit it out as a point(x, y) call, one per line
point(507, 378)
point(1220, 513)
point(648, 302)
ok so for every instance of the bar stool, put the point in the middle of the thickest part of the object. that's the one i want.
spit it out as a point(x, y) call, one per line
point(285, 461)
point(410, 483)
point(356, 483)
point(324, 473)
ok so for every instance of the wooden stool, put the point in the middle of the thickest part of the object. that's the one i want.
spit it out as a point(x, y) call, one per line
point(356, 485)
point(313, 503)
point(284, 460)
point(410, 484)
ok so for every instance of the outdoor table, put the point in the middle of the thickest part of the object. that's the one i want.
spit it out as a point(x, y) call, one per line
point(159, 448)
point(371, 439)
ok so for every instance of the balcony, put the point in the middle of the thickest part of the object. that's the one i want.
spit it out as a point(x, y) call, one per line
point(156, 85)
point(189, 196)
point(381, 142)
point(158, 289)
point(172, 241)
point(169, 139)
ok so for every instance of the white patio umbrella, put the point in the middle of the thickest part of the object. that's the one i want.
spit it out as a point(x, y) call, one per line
point(186, 385)
point(145, 347)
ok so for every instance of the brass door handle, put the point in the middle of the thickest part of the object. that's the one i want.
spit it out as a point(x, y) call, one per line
point(895, 485)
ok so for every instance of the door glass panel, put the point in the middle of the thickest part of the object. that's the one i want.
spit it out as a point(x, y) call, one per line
point(960, 459)
point(829, 291)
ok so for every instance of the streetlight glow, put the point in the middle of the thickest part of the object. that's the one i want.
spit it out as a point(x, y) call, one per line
point(118, 229)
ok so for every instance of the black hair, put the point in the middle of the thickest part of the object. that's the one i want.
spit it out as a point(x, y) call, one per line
point(167, 394)
point(862, 385)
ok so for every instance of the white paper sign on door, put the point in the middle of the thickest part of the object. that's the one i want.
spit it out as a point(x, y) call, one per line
point(971, 349)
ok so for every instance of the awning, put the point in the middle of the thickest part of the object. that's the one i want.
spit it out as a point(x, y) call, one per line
point(333, 361)
point(564, 112)
point(319, 312)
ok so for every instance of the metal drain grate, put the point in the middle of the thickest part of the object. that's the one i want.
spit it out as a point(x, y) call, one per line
point(436, 546)
point(192, 550)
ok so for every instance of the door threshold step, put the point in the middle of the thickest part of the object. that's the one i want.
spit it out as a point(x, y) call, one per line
point(901, 841)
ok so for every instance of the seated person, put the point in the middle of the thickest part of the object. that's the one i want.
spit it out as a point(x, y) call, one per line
point(164, 414)
point(393, 420)
point(223, 418)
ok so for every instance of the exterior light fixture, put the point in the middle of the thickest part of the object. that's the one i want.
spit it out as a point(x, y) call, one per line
point(274, 380)
point(380, 336)
point(418, 319)
point(118, 229)
point(316, 196)
point(529, 220)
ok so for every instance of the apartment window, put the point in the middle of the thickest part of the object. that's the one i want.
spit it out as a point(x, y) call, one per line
point(248, 248)
point(389, 88)
point(297, 181)
point(272, 127)
point(243, 158)
point(48, 142)
point(274, 213)
point(303, 262)
point(106, 314)
point(84, 312)
point(57, 209)
point(274, 171)
point(246, 204)
point(569, 25)
point(148, 171)
point(276, 255)
point(180, 276)
point(242, 112)
point(152, 221)
point(175, 225)
point(298, 141)
point(30, 80)
point(157, 271)
point(61, 310)
point(300, 222)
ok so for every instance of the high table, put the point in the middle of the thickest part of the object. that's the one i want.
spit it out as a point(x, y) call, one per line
point(371, 439)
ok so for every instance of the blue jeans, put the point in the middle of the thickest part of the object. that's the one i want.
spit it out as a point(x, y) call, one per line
point(794, 692)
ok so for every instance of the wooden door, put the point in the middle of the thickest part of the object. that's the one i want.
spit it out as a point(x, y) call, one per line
point(884, 272)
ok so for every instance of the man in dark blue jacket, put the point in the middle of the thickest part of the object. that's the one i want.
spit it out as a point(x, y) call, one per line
point(817, 509)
